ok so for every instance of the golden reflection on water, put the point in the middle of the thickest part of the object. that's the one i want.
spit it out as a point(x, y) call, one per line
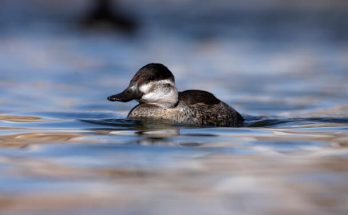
point(20, 118)
point(24, 139)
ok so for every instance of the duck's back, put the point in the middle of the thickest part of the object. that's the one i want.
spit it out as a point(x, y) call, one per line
point(191, 97)
point(209, 110)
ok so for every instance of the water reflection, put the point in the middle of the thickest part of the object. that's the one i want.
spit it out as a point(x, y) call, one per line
point(124, 162)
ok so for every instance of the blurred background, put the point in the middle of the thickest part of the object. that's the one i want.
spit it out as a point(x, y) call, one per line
point(64, 149)
point(263, 49)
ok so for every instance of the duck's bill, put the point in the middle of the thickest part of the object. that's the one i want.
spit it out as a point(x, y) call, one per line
point(126, 96)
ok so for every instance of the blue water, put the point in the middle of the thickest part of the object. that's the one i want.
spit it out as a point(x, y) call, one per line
point(64, 149)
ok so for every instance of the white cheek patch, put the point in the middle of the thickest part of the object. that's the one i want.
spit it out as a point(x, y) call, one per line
point(153, 96)
point(157, 93)
point(161, 98)
point(145, 88)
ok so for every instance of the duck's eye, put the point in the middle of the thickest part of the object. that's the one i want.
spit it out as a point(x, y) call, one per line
point(167, 85)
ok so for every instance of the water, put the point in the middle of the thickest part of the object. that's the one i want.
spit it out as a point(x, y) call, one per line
point(64, 149)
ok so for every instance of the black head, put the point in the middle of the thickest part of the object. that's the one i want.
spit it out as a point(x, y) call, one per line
point(142, 82)
point(152, 72)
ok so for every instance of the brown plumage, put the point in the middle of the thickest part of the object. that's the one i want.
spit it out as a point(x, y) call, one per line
point(154, 87)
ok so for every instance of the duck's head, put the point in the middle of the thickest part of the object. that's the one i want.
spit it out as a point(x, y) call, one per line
point(152, 84)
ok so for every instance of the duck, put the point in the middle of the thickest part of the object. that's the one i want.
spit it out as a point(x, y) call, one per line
point(153, 87)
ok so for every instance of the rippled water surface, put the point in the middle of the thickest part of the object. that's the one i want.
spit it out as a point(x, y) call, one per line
point(64, 149)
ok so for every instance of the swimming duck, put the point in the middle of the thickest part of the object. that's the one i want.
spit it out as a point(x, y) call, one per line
point(153, 86)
